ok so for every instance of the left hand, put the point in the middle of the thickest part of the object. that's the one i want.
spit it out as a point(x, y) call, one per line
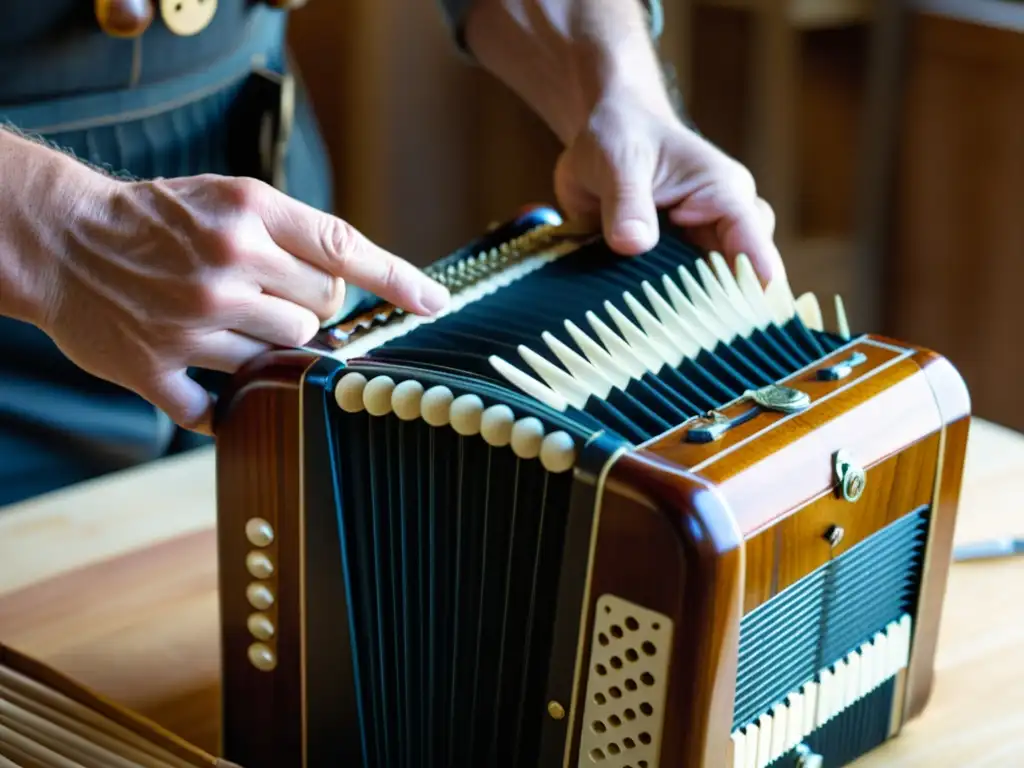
point(634, 157)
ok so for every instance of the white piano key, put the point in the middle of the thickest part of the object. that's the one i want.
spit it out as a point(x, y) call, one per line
point(881, 665)
point(842, 324)
point(689, 314)
point(724, 305)
point(795, 721)
point(685, 336)
point(746, 279)
point(824, 698)
point(753, 738)
point(657, 333)
point(852, 692)
point(810, 311)
point(615, 370)
point(810, 691)
point(867, 669)
point(739, 759)
point(652, 351)
point(704, 307)
point(583, 371)
point(780, 729)
point(620, 350)
point(764, 740)
point(528, 384)
point(837, 696)
point(560, 381)
point(779, 298)
point(727, 280)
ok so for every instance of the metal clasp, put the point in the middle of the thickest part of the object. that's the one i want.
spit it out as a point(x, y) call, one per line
point(850, 477)
point(773, 397)
point(843, 368)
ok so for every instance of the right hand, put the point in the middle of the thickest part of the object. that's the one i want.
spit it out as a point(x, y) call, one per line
point(208, 272)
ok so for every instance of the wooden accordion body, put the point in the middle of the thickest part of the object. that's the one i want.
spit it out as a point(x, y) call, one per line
point(702, 532)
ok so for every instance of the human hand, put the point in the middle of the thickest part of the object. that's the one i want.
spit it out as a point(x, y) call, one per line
point(635, 157)
point(208, 272)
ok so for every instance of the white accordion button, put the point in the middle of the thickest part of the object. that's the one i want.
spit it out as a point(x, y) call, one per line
point(466, 414)
point(527, 435)
point(259, 596)
point(261, 657)
point(557, 452)
point(259, 532)
point(377, 395)
point(260, 626)
point(436, 405)
point(349, 392)
point(406, 398)
point(496, 425)
point(259, 565)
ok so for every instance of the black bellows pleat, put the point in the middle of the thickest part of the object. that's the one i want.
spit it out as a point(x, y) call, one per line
point(453, 550)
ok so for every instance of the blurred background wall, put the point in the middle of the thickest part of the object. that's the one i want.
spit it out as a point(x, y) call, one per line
point(887, 134)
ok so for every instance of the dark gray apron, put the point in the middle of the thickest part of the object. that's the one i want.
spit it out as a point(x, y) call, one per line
point(59, 425)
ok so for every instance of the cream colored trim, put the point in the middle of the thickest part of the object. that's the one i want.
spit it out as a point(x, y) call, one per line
point(584, 608)
point(303, 671)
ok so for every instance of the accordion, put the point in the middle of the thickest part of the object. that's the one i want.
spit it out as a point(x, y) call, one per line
point(603, 511)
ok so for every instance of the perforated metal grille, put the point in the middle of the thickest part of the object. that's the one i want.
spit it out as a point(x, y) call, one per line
point(626, 683)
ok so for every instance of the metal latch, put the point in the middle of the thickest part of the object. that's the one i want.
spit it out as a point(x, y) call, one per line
point(850, 477)
point(843, 368)
point(773, 397)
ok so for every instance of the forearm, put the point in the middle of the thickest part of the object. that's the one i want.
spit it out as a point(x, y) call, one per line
point(562, 57)
point(39, 188)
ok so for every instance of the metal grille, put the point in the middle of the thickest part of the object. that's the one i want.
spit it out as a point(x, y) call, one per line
point(828, 613)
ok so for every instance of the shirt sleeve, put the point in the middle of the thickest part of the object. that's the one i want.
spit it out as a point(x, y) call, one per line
point(455, 13)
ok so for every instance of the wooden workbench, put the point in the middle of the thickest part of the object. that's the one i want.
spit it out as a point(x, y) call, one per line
point(114, 583)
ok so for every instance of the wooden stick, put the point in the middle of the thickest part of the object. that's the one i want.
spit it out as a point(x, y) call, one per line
point(93, 735)
point(51, 735)
point(33, 748)
point(23, 760)
point(33, 689)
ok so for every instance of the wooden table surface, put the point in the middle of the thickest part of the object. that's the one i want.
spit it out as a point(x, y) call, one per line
point(114, 583)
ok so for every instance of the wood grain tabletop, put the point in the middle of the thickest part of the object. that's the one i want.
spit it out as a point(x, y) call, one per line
point(114, 582)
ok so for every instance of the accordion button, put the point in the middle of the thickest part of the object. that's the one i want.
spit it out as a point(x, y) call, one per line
point(259, 596)
point(259, 565)
point(260, 626)
point(259, 532)
point(261, 657)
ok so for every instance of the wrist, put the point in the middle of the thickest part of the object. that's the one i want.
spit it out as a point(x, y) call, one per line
point(565, 57)
point(41, 192)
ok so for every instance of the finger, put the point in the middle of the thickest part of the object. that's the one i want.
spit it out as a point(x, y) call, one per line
point(767, 215)
point(281, 274)
point(279, 322)
point(227, 351)
point(338, 248)
point(627, 207)
point(739, 227)
point(184, 401)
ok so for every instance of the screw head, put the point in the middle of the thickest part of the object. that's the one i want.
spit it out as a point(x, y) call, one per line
point(556, 710)
point(834, 535)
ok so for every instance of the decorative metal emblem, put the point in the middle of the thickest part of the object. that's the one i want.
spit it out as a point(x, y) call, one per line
point(776, 397)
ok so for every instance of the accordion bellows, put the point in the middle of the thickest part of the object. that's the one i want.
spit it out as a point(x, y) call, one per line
point(605, 511)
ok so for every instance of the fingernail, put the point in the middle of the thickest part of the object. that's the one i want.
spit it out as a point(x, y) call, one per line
point(434, 297)
point(637, 233)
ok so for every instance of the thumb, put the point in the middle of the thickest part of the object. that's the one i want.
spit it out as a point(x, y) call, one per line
point(628, 210)
point(184, 401)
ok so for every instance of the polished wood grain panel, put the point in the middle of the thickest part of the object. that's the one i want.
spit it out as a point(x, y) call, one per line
point(953, 401)
point(797, 544)
point(657, 513)
point(258, 476)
